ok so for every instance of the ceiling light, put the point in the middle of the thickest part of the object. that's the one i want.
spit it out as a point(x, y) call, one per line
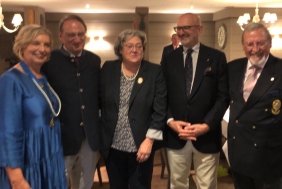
point(268, 18)
point(17, 20)
point(87, 6)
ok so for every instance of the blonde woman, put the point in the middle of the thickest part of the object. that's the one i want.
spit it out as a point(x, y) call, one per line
point(30, 140)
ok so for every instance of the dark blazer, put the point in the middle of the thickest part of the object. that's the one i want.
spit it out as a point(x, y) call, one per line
point(167, 49)
point(254, 132)
point(207, 102)
point(77, 88)
point(147, 106)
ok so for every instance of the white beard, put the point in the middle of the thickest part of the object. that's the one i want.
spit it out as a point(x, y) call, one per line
point(255, 61)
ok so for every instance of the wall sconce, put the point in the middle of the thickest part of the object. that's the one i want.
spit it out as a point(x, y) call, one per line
point(276, 36)
point(17, 20)
point(276, 39)
point(97, 43)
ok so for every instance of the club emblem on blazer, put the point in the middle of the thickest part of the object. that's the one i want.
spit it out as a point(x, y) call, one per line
point(140, 80)
point(276, 105)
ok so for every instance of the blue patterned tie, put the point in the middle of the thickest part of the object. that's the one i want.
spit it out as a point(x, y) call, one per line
point(188, 71)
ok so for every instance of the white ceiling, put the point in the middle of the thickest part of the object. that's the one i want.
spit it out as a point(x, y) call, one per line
point(128, 6)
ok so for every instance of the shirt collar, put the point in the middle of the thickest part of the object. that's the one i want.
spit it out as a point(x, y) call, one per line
point(70, 54)
point(196, 48)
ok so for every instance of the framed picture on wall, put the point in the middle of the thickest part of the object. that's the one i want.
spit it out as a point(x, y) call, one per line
point(222, 36)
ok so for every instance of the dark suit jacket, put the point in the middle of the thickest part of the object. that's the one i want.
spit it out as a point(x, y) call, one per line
point(207, 102)
point(254, 132)
point(147, 106)
point(167, 49)
point(76, 87)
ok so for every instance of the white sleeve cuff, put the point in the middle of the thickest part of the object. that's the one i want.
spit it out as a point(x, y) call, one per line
point(170, 119)
point(155, 134)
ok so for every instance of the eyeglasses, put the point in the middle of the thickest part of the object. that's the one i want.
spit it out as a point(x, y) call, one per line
point(258, 44)
point(131, 46)
point(184, 28)
point(72, 35)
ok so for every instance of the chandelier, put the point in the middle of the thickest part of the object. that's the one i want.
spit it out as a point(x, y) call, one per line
point(268, 18)
point(17, 20)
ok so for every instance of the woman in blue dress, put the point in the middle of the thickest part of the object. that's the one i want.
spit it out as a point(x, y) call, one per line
point(31, 154)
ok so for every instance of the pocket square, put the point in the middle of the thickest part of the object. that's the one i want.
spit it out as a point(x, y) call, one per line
point(208, 71)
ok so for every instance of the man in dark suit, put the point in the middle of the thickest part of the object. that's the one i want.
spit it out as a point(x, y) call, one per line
point(74, 74)
point(174, 45)
point(255, 124)
point(197, 85)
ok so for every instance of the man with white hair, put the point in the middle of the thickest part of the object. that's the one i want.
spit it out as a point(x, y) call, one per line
point(255, 123)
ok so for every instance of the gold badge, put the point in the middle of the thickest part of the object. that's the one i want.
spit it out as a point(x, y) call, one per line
point(276, 105)
point(52, 123)
point(140, 80)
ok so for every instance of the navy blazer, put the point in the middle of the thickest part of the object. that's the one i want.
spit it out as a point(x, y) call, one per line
point(147, 105)
point(77, 87)
point(167, 49)
point(207, 102)
point(255, 126)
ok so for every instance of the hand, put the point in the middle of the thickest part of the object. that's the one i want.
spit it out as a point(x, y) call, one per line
point(194, 131)
point(144, 150)
point(20, 184)
point(17, 179)
point(178, 126)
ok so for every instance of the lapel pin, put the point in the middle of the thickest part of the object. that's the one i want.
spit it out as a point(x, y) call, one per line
point(272, 79)
point(140, 80)
point(208, 59)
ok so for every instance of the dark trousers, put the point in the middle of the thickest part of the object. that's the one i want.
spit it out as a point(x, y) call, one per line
point(125, 172)
point(244, 182)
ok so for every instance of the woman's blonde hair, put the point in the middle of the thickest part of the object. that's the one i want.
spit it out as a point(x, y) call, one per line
point(26, 36)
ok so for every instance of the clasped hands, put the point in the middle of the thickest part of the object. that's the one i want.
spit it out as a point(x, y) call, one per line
point(188, 131)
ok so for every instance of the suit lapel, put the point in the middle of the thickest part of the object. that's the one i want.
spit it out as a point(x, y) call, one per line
point(239, 82)
point(265, 80)
point(116, 73)
point(202, 64)
point(178, 69)
point(171, 48)
point(139, 81)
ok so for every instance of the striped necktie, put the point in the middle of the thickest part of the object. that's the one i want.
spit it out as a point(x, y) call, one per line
point(251, 81)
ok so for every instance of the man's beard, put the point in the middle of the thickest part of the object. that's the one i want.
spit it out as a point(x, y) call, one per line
point(256, 61)
point(186, 40)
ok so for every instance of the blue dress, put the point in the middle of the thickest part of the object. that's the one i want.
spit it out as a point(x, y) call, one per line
point(26, 138)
